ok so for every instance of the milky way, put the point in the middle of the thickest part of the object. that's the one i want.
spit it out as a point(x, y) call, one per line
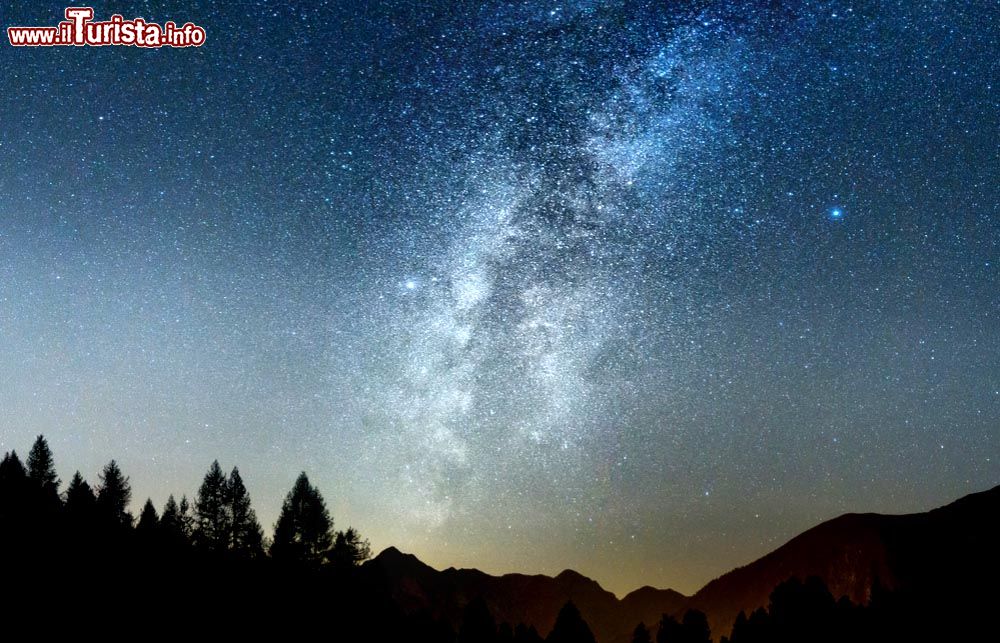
point(641, 289)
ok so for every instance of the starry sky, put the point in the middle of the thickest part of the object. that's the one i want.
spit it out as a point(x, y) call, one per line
point(638, 288)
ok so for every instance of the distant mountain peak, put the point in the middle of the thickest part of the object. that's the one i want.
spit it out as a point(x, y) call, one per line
point(389, 552)
point(852, 553)
point(650, 591)
point(392, 558)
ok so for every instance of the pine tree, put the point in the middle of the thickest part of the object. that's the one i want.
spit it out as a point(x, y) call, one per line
point(304, 528)
point(641, 634)
point(740, 631)
point(82, 524)
point(149, 522)
point(170, 524)
point(42, 470)
point(169, 519)
point(247, 537)
point(185, 518)
point(12, 473)
point(13, 492)
point(696, 629)
point(349, 549)
point(212, 521)
point(80, 499)
point(570, 627)
point(113, 496)
point(669, 630)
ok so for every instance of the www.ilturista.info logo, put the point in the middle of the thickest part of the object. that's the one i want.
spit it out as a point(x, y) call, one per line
point(79, 30)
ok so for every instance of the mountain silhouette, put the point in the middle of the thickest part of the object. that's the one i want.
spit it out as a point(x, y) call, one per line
point(945, 553)
point(949, 549)
point(513, 598)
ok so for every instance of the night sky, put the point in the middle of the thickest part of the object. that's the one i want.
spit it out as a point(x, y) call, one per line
point(642, 289)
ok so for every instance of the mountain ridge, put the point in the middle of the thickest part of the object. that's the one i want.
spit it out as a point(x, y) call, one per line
point(855, 554)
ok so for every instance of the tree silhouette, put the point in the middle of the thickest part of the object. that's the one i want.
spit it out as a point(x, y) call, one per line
point(304, 528)
point(695, 627)
point(741, 629)
point(13, 478)
point(13, 496)
point(113, 497)
point(349, 549)
point(94, 544)
point(149, 521)
point(570, 627)
point(641, 634)
point(42, 471)
point(213, 524)
point(800, 610)
point(526, 634)
point(478, 625)
point(758, 626)
point(81, 516)
point(186, 518)
point(80, 499)
point(171, 524)
point(669, 630)
point(11, 468)
point(247, 538)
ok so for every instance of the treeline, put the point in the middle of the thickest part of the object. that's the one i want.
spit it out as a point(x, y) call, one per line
point(78, 562)
point(691, 628)
point(220, 522)
point(807, 611)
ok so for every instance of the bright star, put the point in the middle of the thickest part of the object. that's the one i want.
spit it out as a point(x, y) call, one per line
point(836, 214)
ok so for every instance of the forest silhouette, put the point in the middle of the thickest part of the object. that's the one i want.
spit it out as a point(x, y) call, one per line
point(78, 562)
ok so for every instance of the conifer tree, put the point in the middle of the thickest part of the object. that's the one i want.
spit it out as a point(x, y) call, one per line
point(570, 627)
point(669, 630)
point(42, 470)
point(80, 499)
point(641, 634)
point(113, 496)
point(304, 528)
point(148, 520)
point(349, 549)
point(247, 537)
point(12, 473)
point(13, 485)
point(213, 526)
point(78, 491)
point(696, 629)
point(81, 515)
point(170, 523)
point(186, 518)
